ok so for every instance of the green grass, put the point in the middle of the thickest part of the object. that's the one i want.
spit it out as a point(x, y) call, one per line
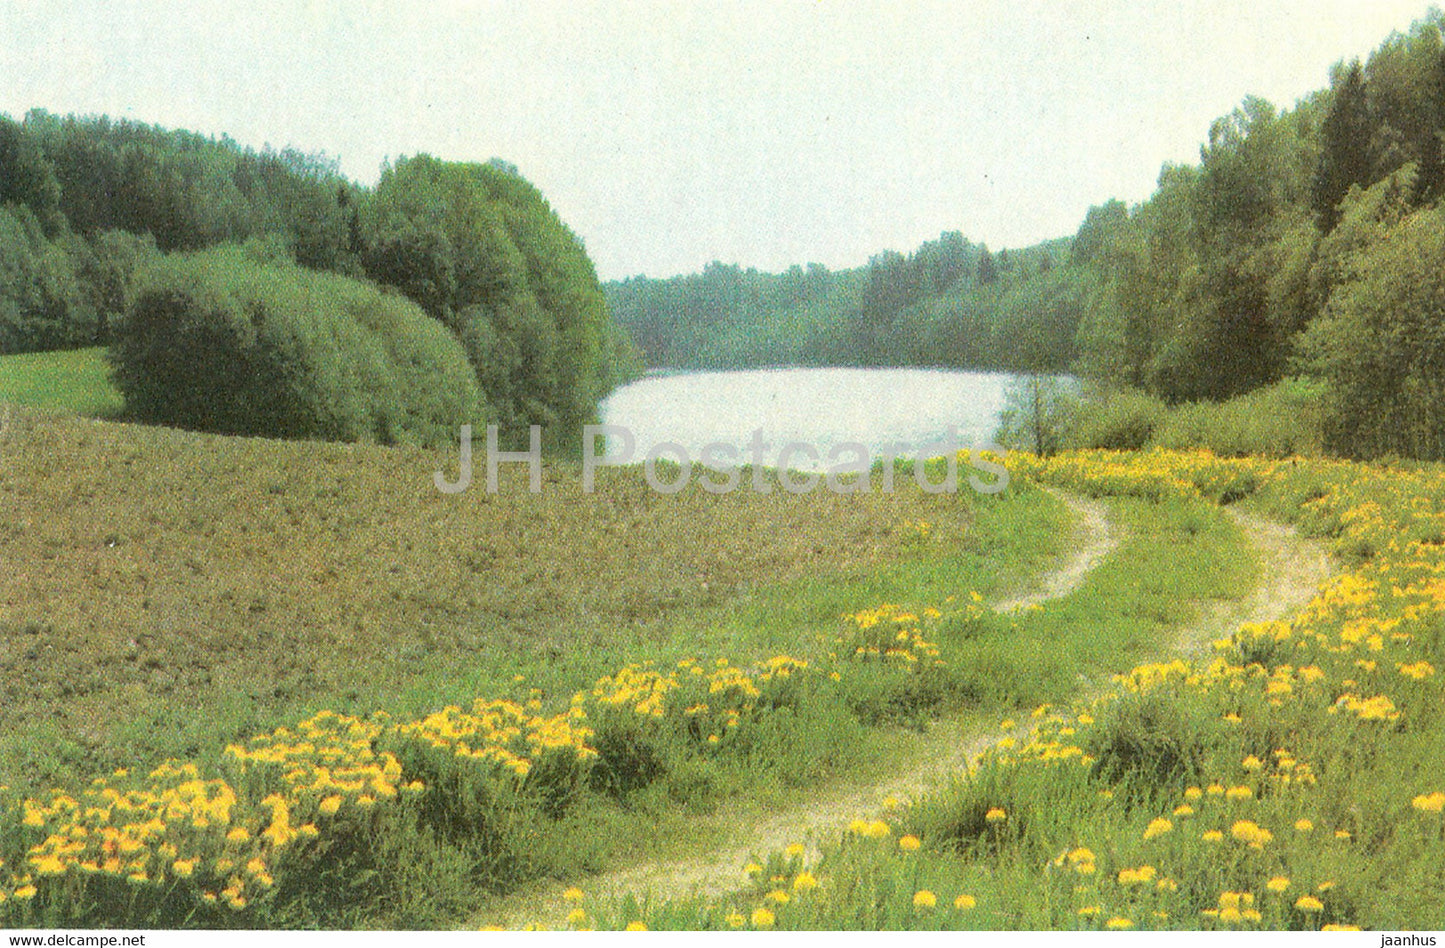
point(77, 380)
point(1288, 780)
point(166, 592)
point(1178, 557)
point(169, 592)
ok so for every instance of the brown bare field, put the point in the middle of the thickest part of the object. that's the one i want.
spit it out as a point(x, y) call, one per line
point(162, 591)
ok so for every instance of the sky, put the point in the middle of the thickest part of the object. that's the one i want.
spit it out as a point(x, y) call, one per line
point(671, 134)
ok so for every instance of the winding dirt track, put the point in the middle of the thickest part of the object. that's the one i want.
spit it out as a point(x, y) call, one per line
point(1291, 569)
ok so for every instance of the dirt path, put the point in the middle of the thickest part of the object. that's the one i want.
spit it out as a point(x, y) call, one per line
point(1291, 569)
point(1095, 537)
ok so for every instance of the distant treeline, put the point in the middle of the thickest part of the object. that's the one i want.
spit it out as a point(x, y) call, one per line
point(1306, 244)
point(88, 206)
point(950, 302)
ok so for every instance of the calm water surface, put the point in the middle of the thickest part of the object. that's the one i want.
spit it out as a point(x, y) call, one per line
point(818, 407)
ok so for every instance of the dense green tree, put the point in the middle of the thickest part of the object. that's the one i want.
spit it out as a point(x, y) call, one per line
point(1344, 146)
point(987, 268)
point(43, 304)
point(27, 178)
point(479, 249)
point(1381, 341)
point(1404, 82)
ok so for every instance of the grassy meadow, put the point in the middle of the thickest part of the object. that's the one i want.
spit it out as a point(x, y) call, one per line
point(1289, 780)
point(397, 704)
point(76, 380)
point(256, 683)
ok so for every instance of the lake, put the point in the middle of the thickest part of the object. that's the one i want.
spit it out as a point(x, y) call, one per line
point(820, 408)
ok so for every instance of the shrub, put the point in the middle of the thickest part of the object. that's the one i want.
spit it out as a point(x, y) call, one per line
point(220, 341)
point(1123, 420)
point(1282, 420)
point(1149, 742)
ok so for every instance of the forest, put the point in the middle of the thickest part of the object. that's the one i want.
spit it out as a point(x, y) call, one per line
point(950, 302)
point(1303, 249)
point(182, 252)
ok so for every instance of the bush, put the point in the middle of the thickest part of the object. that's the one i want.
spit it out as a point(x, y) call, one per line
point(1282, 420)
point(1122, 420)
point(219, 341)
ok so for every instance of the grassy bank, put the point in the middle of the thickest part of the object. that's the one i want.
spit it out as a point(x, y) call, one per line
point(166, 591)
point(639, 656)
point(1289, 782)
point(139, 627)
point(168, 594)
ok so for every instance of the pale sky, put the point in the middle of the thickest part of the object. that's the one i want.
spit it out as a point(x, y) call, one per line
point(671, 134)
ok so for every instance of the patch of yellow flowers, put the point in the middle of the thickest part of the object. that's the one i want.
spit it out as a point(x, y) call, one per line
point(1352, 675)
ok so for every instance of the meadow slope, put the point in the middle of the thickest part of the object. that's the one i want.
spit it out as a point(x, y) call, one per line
point(1286, 777)
point(1291, 570)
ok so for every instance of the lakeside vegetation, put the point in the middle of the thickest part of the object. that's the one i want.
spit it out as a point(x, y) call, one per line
point(1298, 252)
point(345, 834)
point(1302, 249)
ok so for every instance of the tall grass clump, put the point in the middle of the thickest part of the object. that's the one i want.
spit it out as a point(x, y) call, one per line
point(221, 341)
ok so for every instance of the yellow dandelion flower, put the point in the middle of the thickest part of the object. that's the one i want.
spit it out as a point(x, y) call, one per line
point(1118, 922)
point(51, 865)
point(1308, 903)
point(1303, 825)
point(794, 850)
point(778, 897)
point(636, 927)
point(805, 882)
point(1157, 827)
point(1429, 802)
point(573, 894)
point(576, 917)
point(909, 843)
point(924, 899)
point(965, 902)
point(762, 918)
point(735, 920)
point(1277, 884)
point(996, 814)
